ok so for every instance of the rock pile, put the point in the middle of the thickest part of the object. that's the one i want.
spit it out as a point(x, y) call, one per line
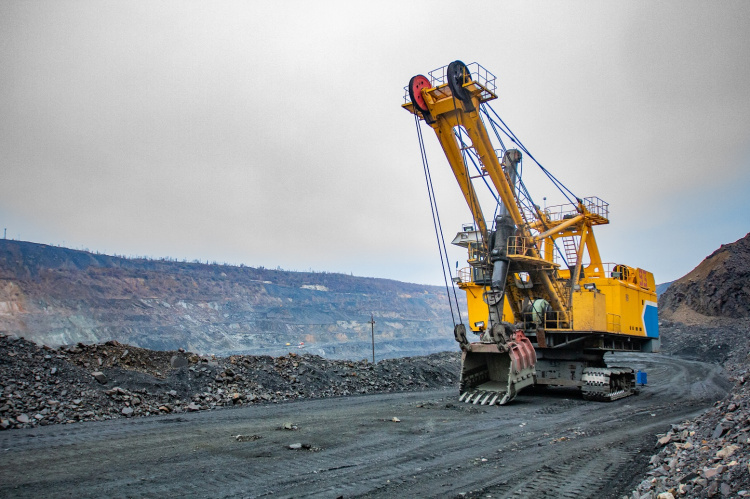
point(709, 339)
point(708, 457)
point(42, 386)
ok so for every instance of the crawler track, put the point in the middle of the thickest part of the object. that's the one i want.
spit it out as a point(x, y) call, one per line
point(608, 384)
point(552, 444)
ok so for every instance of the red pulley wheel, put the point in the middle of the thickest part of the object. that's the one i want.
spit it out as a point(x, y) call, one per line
point(416, 84)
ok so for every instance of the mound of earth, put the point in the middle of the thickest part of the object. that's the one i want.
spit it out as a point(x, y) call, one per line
point(41, 385)
point(718, 287)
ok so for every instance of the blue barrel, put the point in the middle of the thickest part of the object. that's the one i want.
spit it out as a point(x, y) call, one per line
point(641, 378)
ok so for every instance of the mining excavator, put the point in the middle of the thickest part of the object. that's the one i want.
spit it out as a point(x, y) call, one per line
point(544, 306)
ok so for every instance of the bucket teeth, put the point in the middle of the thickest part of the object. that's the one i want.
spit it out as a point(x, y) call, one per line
point(481, 397)
point(484, 397)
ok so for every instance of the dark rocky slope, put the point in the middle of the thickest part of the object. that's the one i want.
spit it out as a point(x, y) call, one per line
point(718, 287)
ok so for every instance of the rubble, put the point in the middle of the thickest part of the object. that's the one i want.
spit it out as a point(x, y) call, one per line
point(702, 461)
point(709, 456)
point(42, 386)
point(247, 438)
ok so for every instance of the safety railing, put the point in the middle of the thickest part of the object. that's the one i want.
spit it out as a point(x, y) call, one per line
point(522, 246)
point(477, 253)
point(517, 245)
point(596, 206)
point(479, 74)
point(478, 275)
point(550, 320)
point(593, 205)
point(464, 275)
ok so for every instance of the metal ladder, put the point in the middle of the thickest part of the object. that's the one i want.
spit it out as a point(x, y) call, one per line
point(571, 250)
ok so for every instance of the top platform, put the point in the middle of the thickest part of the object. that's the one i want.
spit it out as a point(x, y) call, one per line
point(482, 84)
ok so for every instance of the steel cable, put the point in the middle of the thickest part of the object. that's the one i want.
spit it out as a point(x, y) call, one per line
point(438, 227)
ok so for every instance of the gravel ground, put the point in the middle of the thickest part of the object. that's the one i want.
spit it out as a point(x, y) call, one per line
point(704, 457)
point(549, 444)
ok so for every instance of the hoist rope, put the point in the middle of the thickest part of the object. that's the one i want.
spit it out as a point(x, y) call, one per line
point(497, 135)
point(438, 228)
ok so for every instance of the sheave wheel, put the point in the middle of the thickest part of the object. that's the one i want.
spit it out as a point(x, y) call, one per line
point(416, 84)
point(457, 75)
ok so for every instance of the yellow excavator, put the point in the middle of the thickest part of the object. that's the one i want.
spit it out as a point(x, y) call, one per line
point(544, 306)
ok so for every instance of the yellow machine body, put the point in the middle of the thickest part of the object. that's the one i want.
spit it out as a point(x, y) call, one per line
point(615, 305)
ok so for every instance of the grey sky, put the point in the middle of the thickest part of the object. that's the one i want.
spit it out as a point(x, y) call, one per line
point(271, 133)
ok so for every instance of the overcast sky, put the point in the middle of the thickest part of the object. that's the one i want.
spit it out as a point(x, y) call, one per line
point(271, 133)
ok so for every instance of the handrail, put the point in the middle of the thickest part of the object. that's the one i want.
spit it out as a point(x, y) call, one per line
point(464, 275)
point(552, 320)
point(593, 205)
point(479, 75)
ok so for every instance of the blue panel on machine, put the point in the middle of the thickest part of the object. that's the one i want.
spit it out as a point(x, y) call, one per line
point(641, 378)
point(651, 320)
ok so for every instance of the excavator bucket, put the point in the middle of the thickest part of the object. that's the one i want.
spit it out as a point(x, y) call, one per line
point(494, 374)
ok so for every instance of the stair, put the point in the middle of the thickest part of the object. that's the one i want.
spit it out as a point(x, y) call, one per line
point(571, 250)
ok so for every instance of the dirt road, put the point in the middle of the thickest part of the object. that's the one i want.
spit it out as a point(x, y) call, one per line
point(551, 444)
